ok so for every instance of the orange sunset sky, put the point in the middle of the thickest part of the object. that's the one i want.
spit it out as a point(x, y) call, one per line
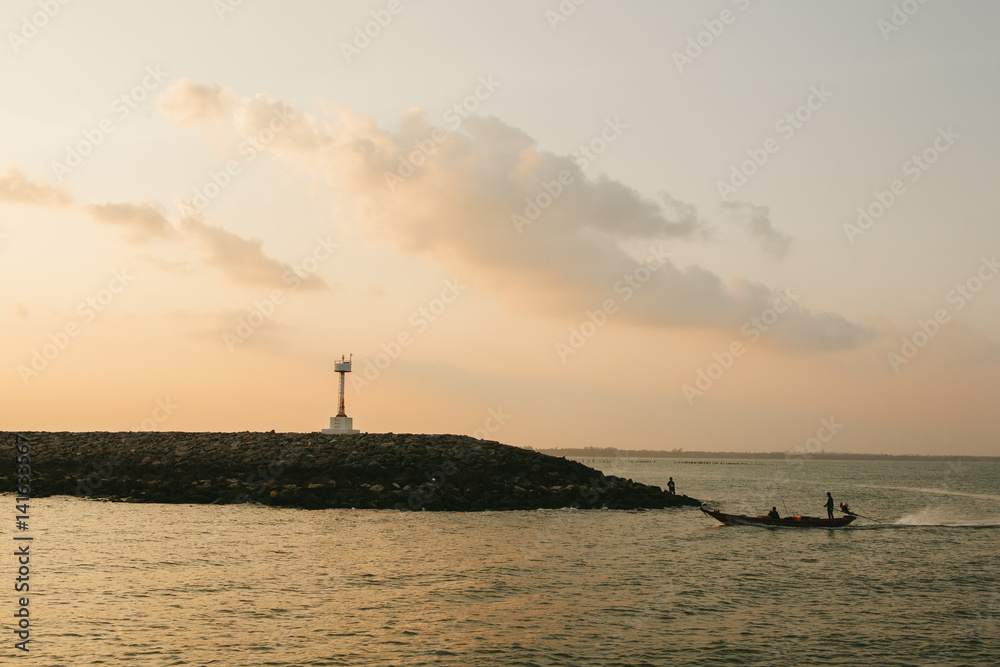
point(697, 225)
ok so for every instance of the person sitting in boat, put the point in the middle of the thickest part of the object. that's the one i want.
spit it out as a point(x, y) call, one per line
point(773, 514)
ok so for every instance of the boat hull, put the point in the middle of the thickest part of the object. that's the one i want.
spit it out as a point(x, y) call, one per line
point(791, 522)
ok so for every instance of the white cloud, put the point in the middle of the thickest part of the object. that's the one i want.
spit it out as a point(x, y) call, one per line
point(242, 260)
point(458, 203)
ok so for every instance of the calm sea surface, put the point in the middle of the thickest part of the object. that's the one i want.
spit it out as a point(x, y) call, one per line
point(128, 584)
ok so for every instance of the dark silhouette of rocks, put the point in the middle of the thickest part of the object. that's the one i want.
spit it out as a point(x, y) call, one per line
point(315, 471)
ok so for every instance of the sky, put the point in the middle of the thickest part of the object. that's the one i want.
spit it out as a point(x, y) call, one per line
point(737, 225)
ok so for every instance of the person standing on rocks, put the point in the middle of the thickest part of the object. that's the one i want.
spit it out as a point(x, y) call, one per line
point(670, 487)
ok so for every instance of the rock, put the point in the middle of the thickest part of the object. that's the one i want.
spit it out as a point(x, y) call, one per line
point(310, 470)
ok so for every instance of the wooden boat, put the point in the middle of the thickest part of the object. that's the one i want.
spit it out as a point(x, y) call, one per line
point(794, 521)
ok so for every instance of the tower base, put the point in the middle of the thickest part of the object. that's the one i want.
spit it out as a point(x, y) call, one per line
point(341, 426)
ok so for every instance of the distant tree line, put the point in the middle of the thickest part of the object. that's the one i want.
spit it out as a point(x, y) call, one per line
point(614, 452)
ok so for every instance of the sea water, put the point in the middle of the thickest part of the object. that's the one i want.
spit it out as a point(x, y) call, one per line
point(917, 583)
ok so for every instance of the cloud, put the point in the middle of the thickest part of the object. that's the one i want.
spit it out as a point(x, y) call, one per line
point(241, 260)
point(144, 222)
point(187, 103)
point(17, 189)
point(460, 197)
point(758, 222)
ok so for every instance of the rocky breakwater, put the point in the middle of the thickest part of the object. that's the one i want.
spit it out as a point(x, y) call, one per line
point(314, 471)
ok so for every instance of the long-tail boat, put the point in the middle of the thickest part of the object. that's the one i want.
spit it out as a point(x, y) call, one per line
point(794, 521)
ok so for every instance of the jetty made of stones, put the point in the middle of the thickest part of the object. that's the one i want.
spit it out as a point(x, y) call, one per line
point(317, 471)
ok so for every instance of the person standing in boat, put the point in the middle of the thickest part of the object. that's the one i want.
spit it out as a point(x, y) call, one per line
point(670, 486)
point(829, 505)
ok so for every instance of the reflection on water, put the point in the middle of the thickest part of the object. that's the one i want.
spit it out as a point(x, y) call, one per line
point(196, 585)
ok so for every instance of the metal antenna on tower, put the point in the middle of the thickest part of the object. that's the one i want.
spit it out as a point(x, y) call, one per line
point(343, 367)
point(342, 424)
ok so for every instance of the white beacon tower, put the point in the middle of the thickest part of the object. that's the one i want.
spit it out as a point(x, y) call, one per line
point(341, 424)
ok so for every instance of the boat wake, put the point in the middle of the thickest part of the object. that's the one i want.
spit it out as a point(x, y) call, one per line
point(933, 517)
point(935, 490)
point(899, 526)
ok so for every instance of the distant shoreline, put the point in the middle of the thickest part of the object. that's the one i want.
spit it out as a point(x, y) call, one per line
point(614, 453)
